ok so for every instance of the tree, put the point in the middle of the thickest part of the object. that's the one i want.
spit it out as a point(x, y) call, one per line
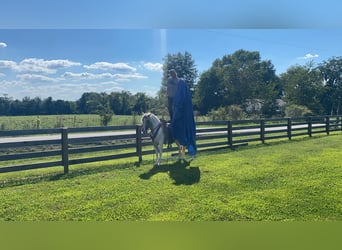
point(106, 114)
point(126, 103)
point(88, 103)
point(303, 87)
point(331, 72)
point(5, 103)
point(141, 103)
point(156, 106)
point(94, 103)
point(209, 91)
point(235, 80)
point(47, 106)
point(115, 102)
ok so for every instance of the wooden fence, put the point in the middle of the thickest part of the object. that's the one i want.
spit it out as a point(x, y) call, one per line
point(44, 148)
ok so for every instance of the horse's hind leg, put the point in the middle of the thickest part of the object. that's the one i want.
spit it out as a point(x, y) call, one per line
point(181, 151)
point(157, 156)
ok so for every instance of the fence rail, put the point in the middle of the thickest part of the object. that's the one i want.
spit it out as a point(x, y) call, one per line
point(45, 148)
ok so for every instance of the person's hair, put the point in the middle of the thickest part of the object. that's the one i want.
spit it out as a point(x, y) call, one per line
point(172, 71)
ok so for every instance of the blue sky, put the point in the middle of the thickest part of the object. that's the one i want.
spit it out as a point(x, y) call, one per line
point(65, 48)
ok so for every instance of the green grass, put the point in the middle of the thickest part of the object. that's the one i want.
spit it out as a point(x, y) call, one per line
point(57, 121)
point(298, 180)
point(71, 121)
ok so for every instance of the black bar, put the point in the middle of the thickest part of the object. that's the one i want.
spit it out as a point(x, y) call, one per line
point(65, 153)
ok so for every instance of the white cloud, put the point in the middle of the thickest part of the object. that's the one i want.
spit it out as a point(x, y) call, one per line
point(110, 66)
point(91, 76)
point(86, 75)
point(129, 76)
point(73, 91)
point(38, 65)
point(3, 45)
point(43, 78)
point(66, 91)
point(154, 66)
point(35, 78)
point(45, 66)
point(309, 56)
point(111, 86)
point(8, 65)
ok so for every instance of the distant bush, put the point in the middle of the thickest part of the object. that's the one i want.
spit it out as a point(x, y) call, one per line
point(235, 112)
point(232, 112)
point(294, 110)
point(218, 114)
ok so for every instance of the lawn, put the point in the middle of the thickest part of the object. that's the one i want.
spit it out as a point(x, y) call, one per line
point(298, 180)
point(57, 121)
point(71, 121)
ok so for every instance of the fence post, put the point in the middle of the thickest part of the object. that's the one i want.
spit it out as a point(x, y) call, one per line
point(289, 128)
point(65, 153)
point(327, 125)
point(310, 126)
point(138, 143)
point(339, 122)
point(230, 133)
point(262, 130)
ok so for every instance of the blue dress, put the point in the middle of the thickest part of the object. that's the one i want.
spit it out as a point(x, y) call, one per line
point(183, 122)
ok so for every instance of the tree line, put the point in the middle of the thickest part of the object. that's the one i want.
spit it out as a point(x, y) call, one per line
point(235, 86)
point(120, 103)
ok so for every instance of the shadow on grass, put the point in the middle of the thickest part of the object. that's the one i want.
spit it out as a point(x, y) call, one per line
point(178, 172)
point(61, 176)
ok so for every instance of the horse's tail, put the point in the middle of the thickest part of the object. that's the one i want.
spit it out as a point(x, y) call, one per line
point(168, 136)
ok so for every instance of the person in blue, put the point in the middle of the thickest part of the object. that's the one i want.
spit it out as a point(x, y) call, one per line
point(183, 121)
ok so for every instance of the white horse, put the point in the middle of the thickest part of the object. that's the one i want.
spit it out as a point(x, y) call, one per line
point(159, 134)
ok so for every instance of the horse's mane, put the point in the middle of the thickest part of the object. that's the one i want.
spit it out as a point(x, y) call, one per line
point(151, 115)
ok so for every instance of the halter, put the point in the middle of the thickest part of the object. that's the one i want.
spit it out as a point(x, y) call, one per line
point(154, 134)
point(155, 130)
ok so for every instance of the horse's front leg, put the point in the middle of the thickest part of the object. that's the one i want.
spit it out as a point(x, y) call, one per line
point(159, 151)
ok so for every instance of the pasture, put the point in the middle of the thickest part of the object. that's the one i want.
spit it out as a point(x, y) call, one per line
point(57, 121)
point(297, 180)
point(71, 121)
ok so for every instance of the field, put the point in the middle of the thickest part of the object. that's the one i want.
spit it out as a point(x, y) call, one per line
point(297, 180)
point(71, 121)
point(56, 121)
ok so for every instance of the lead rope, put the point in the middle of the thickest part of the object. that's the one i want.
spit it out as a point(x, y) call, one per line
point(167, 153)
point(167, 142)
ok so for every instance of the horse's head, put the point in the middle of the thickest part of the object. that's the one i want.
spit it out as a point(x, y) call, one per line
point(146, 122)
point(149, 121)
